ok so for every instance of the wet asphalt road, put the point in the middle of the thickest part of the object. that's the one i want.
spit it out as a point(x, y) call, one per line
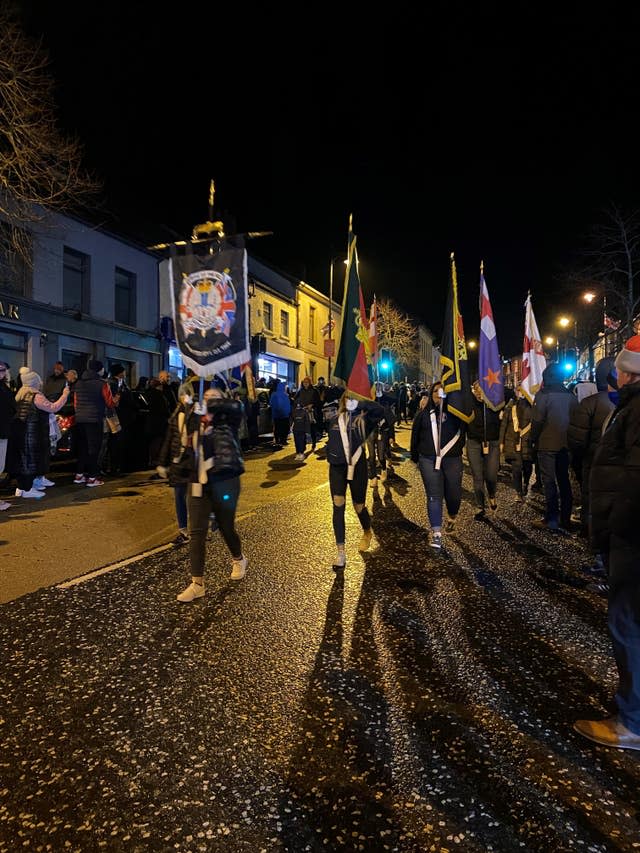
point(412, 703)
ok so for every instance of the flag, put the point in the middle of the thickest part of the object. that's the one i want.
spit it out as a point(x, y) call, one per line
point(533, 358)
point(328, 327)
point(210, 317)
point(352, 365)
point(373, 334)
point(453, 356)
point(610, 323)
point(490, 376)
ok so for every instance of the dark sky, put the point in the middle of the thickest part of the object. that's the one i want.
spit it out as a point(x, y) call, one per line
point(444, 127)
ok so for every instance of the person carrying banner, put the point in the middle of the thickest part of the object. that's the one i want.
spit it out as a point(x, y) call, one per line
point(215, 485)
point(437, 439)
point(483, 452)
point(348, 426)
point(515, 432)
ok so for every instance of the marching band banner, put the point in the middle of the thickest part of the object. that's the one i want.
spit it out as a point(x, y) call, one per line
point(210, 302)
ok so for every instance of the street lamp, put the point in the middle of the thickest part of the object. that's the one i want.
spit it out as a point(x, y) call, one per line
point(565, 322)
point(472, 344)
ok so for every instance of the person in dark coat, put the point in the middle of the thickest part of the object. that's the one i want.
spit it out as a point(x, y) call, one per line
point(121, 443)
point(437, 440)
point(585, 428)
point(309, 399)
point(55, 382)
point(7, 411)
point(515, 433)
point(483, 451)
point(615, 532)
point(92, 397)
point(171, 463)
point(214, 488)
point(552, 410)
point(29, 441)
point(157, 420)
point(280, 414)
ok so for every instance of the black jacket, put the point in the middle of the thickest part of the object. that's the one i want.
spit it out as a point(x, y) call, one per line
point(614, 481)
point(7, 409)
point(552, 410)
point(508, 436)
point(362, 421)
point(585, 425)
point(485, 425)
point(422, 434)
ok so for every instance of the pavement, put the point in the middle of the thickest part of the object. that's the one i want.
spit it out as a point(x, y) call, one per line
point(414, 702)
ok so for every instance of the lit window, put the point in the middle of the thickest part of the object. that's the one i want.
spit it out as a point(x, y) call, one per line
point(267, 315)
point(312, 324)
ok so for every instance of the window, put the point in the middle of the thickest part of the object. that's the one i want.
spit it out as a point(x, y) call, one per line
point(284, 324)
point(75, 281)
point(312, 371)
point(15, 276)
point(74, 360)
point(267, 316)
point(312, 324)
point(125, 308)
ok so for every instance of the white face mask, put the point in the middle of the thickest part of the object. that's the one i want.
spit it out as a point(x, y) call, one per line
point(351, 405)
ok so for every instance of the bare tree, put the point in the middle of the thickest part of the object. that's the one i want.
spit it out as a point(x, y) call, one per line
point(40, 168)
point(610, 263)
point(398, 333)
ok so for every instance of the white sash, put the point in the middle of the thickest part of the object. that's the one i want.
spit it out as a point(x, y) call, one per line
point(516, 427)
point(441, 452)
point(344, 435)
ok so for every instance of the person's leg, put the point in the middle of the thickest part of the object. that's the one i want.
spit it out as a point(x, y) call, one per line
point(474, 457)
point(564, 487)
point(94, 434)
point(358, 489)
point(624, 627)
point(432, 480)
point(547, 465)
point(585, 498)
point(180, 499)
point(370, 448)
point(224, 502)
point(491, 467)
point(452, 484)
point(3, 453)
point(527, 470)
point(516, 474)
point(338, 491)
point(300, 441)
point(198, 511)
point(82, 461)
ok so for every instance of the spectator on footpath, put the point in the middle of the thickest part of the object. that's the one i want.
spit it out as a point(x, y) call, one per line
point(92, 396)
point(157, 421)
point(552, 410)
point(322, 389)
point(300, 427)
point(615, 532)
point(309, 398)
point(119, 443)
point(54, 383)
point(585, 429)
point(437, 440)
point(280, 414)
point(515, 433)
point(29, 440)
point(7, 411)
point(169, 390)
point(215, 486)
point(483, 452)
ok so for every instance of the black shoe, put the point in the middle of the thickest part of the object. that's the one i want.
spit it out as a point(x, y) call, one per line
point(181, 539)
point(599, 587)
point(480, 515)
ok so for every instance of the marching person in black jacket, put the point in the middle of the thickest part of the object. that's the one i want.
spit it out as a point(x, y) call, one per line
point(483, 451)
point(615, 532)
point(215, 484)
point(437, 439)
point(348, 426)
point(515, 432)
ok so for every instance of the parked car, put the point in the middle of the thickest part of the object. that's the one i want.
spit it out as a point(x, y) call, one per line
point(66, 448)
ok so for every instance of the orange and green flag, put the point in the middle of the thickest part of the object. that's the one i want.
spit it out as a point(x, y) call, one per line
point(352, 364)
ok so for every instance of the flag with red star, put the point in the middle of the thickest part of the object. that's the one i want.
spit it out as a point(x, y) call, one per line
point(490, 378)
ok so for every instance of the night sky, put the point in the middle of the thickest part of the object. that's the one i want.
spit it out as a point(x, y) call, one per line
point(458, 128)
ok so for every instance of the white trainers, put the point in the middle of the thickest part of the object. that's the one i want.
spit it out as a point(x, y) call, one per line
point(436, 542)
point(299, 457)
point(365, 540)
point(238, 569)
point(42, 483)
point(79, 480)
point(341, 559)
point(193, 591)
point(32, 493)
point(4, 505)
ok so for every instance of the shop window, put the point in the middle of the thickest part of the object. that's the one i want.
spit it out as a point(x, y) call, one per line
point(284, 324)
point(74, 360)
point(312, 324)
point(128, 369)
point(267, 316)
point(125, 308)
point(75, 281)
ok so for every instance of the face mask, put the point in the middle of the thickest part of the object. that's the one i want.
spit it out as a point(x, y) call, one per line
point(351, 405)
point(614, 396)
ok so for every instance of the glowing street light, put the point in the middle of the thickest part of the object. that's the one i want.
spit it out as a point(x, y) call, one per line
point(589, 296)
point(549, 341)
point(472, 344)
point(564, 322)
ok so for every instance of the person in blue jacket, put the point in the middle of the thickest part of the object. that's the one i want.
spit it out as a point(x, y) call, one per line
point(348, 426)
point(280, 414)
